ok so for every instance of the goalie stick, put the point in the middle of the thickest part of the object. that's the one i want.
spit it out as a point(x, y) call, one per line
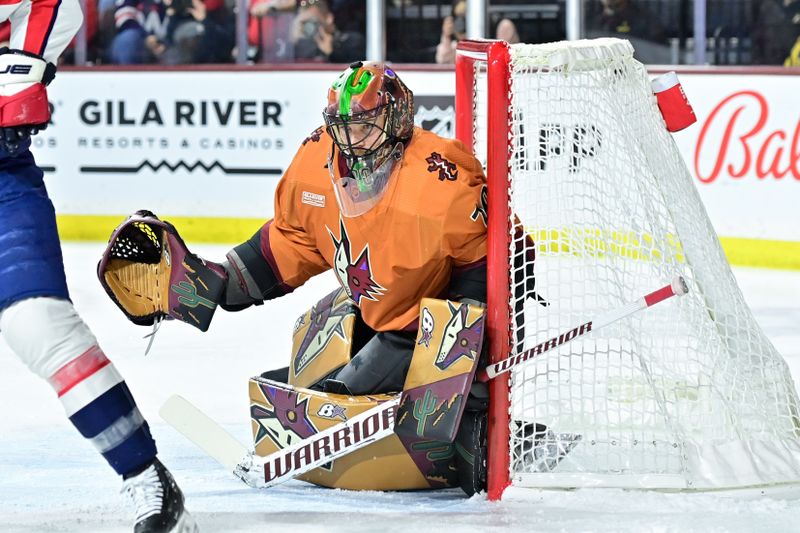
point(678, 287)
point(286, 463)
point(365, 428)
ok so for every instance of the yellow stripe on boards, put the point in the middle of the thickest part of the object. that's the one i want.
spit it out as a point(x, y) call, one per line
point(191, 229)
point(763, 253)
point(742, 252)
point(784, 255)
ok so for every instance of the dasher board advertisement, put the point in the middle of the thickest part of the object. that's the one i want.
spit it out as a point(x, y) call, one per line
point(200, 144)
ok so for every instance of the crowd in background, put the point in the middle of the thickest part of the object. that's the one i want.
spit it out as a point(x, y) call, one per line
point(174, 32)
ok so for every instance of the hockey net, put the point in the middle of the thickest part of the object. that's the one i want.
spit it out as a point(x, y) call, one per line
point(688, 395)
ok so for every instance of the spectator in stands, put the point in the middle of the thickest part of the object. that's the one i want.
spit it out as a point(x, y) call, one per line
point(507, 31)
point(776, 33)
point(454, 28)
point(350, 15)
point(269, 30)
point(628, 20)
point(316, 37)
point(141, 27)
point(172, 32)
point(793, 60)
point(263, 8)
point(198, 31)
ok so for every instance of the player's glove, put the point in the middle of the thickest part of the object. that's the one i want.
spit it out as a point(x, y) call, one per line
point(150, 274)
point(24, 109)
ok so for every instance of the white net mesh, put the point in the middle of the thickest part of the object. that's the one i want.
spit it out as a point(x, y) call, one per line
point(689, 394)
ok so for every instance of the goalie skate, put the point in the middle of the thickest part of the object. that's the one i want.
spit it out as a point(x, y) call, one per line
point(542, 448)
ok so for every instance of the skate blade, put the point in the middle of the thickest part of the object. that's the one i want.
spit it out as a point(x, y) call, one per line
point(186, 524)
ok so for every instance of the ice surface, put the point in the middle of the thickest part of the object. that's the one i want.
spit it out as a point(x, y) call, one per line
point(52, 480)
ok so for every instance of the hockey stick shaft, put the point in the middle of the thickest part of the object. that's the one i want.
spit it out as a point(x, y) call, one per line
point(203, 431)
point(678, 287)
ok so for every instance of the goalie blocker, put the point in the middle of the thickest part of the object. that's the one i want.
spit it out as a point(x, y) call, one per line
point(149, 273)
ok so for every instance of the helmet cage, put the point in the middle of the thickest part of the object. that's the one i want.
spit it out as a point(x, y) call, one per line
point(361, 135)
point(364, 139)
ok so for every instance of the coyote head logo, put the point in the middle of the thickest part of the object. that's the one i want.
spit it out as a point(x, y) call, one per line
point(355, 276)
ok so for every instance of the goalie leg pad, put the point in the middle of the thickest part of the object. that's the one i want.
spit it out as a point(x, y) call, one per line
point(322, 339)
point(282, 415)
point(446, 356)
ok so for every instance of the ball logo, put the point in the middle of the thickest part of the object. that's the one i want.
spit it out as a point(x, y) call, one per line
point(332, 411)
point(745, 146)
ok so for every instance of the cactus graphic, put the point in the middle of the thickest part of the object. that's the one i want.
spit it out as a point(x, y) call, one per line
point(424, 407)
point(434, 450)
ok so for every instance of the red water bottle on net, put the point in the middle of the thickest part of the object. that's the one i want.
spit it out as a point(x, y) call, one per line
point(675, 108)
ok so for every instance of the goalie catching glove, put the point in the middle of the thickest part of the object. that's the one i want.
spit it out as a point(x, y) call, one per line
point(150, 274)
point(24, 109)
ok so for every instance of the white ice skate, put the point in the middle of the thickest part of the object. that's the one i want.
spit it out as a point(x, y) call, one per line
point(158, 502)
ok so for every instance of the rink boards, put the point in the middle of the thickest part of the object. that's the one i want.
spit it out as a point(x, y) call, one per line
point(195, 149)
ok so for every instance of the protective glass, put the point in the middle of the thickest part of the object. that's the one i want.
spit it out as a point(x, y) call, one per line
point(363, 188)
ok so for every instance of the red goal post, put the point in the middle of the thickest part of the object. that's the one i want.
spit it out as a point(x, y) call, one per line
point(495, 55)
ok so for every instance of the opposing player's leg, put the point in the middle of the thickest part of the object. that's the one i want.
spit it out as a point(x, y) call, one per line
point(52, 340)
point(42, 328)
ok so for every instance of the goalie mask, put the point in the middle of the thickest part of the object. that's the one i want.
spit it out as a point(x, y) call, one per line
point(370, 116)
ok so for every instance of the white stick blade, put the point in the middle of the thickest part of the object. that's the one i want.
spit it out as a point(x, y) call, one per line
point(203, 431)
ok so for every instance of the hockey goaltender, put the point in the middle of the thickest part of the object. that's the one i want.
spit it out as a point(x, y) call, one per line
point(399, 214)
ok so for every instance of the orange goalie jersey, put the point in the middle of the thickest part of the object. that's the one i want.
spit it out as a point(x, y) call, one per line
point(430, 221)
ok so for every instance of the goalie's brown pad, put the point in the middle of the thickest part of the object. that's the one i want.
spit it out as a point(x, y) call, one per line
point(322, 339)
point(442, 368)
point(149, 273)
point(282, 414)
